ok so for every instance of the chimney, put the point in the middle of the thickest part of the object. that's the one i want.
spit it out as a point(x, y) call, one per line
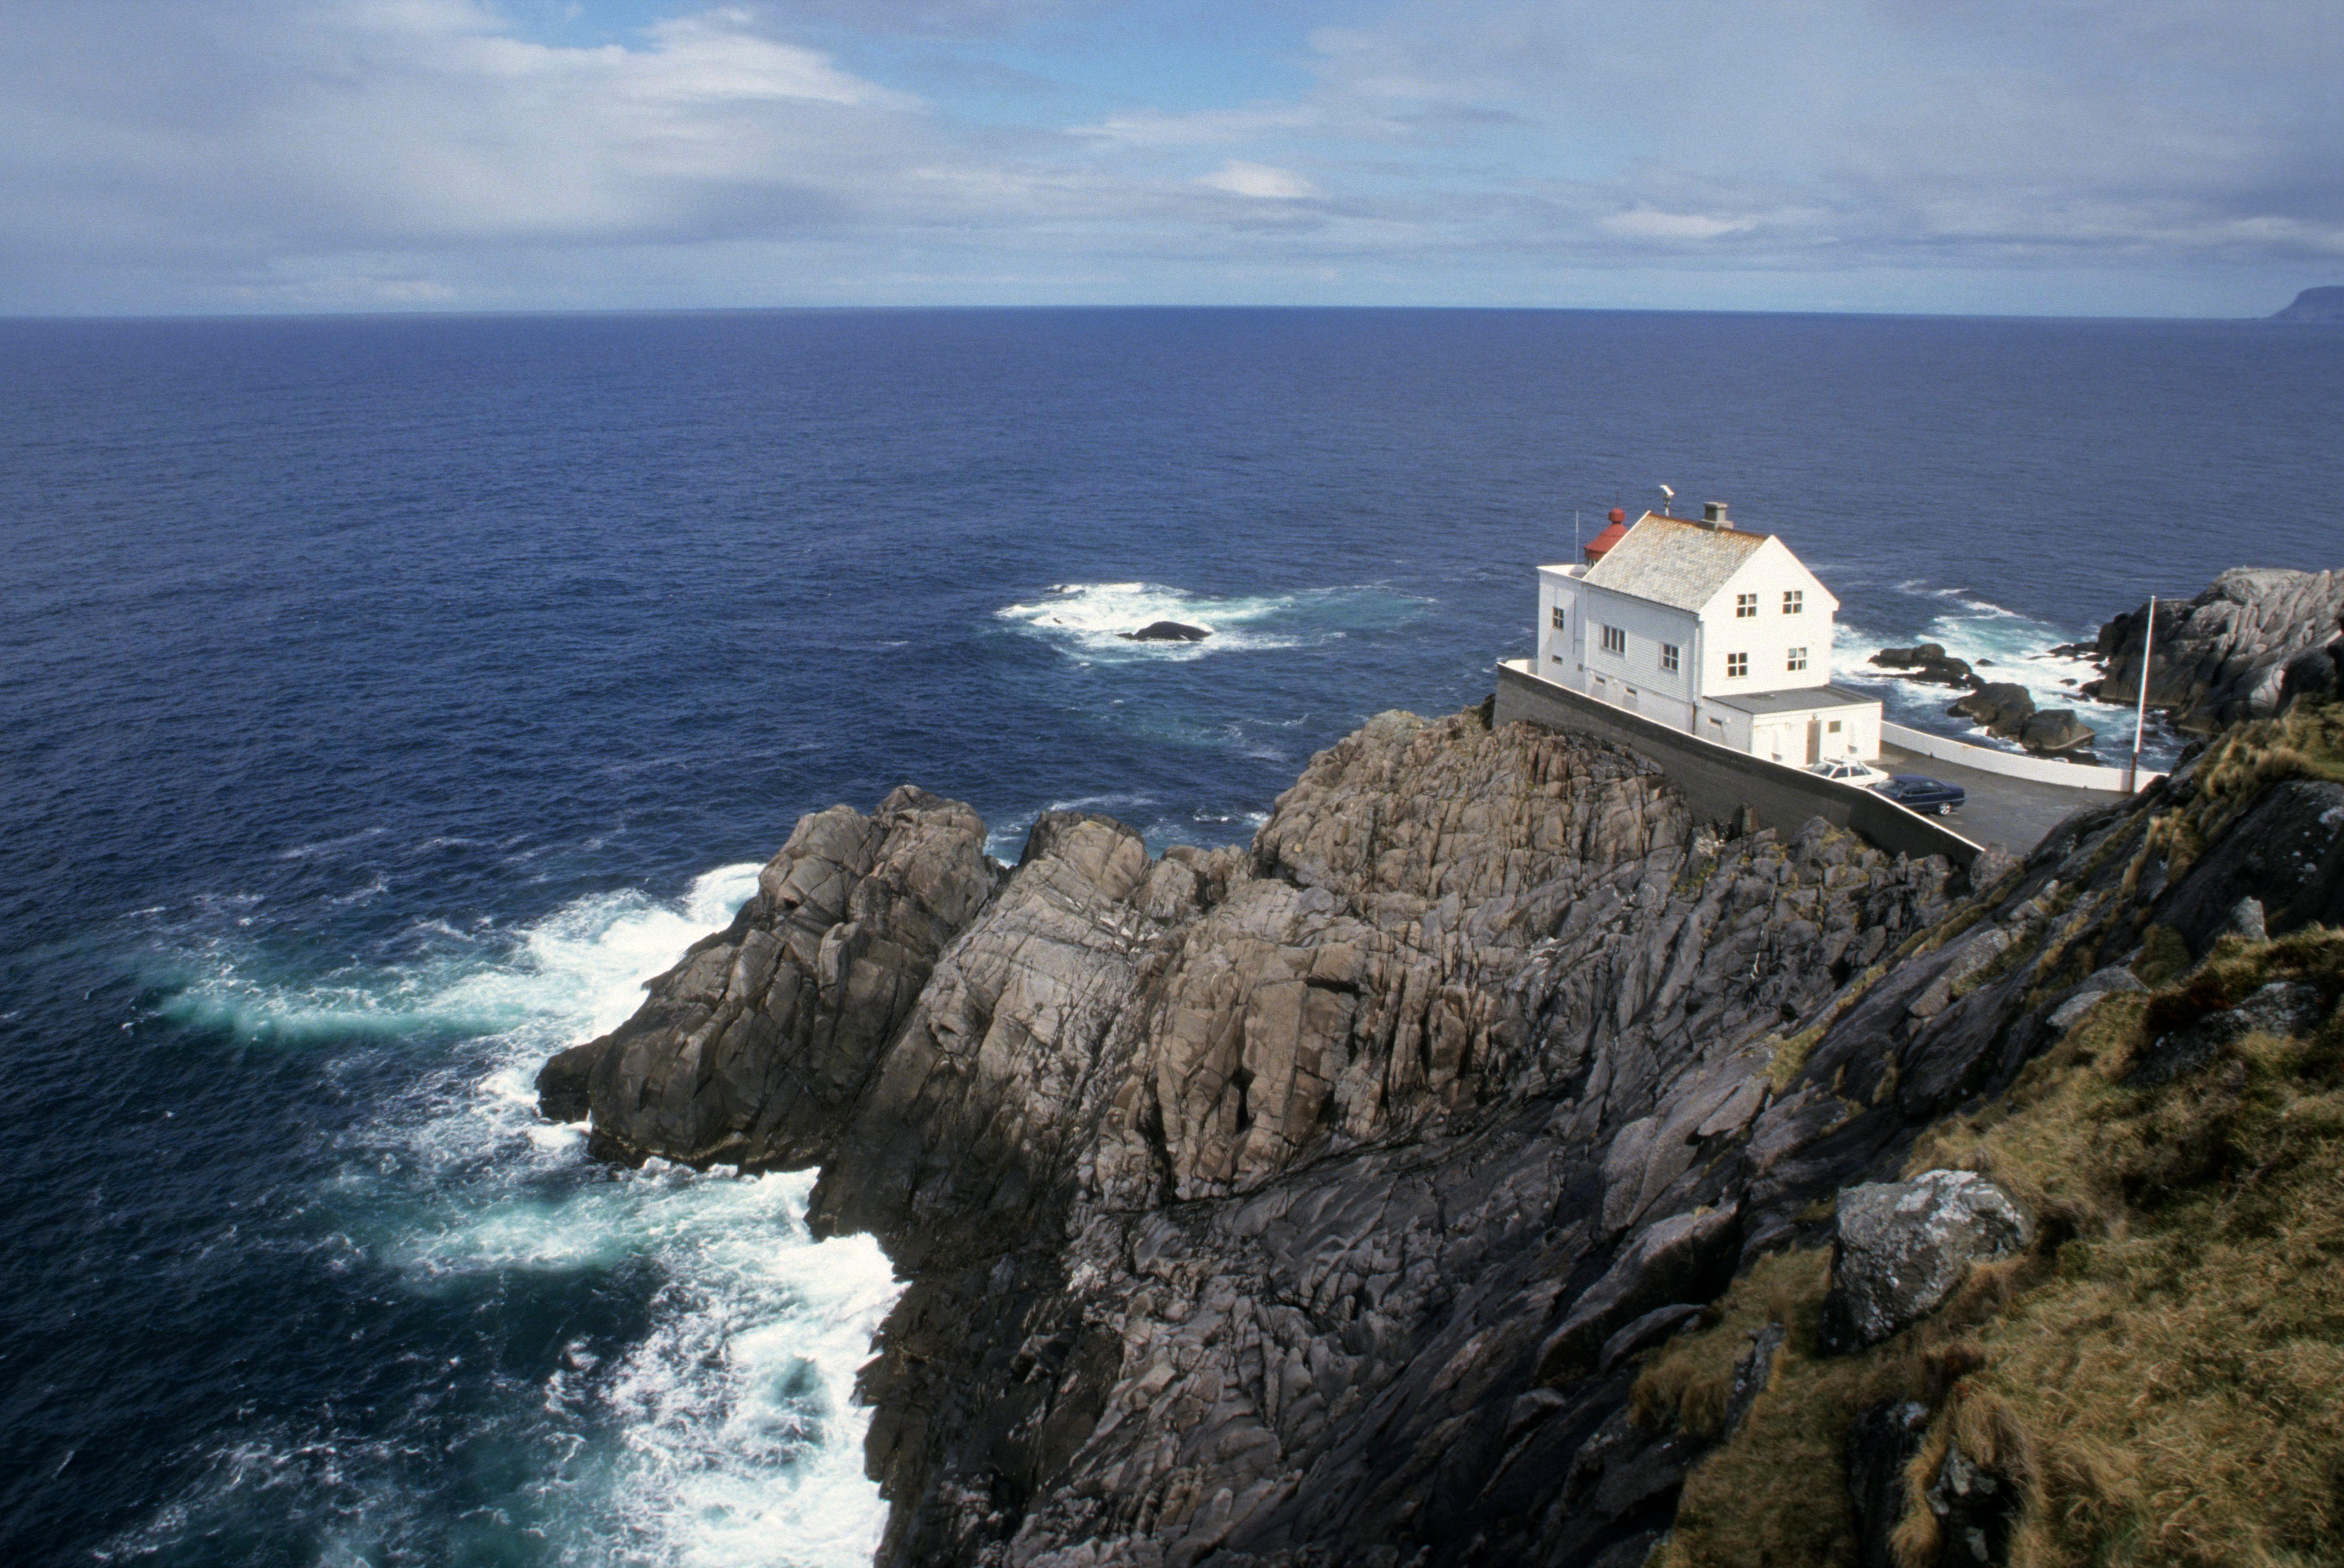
point(1712, 515)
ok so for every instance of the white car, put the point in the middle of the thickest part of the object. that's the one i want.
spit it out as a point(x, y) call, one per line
point(1848, 771)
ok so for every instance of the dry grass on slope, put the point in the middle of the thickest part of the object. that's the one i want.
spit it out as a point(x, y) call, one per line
point(2163, 1378)
point(2306, 742)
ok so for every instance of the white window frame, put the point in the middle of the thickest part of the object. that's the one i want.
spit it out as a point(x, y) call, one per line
point(1795, 602)
point(1746, 607)
point(1669, 656)
point(1795, 658)
point(1554, 618)
point(1737, 667)
point(1615, 640)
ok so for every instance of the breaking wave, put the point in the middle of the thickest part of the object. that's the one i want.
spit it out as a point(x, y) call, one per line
point(1091, 620)
point(720, 1431)
point(2001, 645)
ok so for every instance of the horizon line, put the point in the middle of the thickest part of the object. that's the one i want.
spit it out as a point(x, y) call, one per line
point(524, 312)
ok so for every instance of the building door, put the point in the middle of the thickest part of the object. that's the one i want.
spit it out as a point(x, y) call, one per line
point(1814, 740)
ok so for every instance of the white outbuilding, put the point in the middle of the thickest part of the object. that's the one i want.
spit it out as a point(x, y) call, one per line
point(1708, 629)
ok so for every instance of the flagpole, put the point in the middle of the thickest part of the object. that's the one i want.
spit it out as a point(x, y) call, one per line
point(2140, 710)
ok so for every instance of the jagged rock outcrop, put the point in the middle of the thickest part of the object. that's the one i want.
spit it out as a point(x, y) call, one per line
point(2226, 656)
point(755, 1048)
point(1311, 1205)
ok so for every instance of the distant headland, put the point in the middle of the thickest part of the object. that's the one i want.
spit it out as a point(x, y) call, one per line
point(2316, 304)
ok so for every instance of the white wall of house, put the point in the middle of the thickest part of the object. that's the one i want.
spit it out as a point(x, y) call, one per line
point(1560, 658)
point(1726, 725)
point(1860, 733)
point(1802, 736)
point(1639, 675)
point(1768, 638)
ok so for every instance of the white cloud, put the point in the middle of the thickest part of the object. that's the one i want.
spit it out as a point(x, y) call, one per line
point(1259, 181)
point(314, 152)
point(1651, 223)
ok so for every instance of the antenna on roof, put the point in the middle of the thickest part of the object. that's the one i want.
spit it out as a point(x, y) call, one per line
point(1574, 530)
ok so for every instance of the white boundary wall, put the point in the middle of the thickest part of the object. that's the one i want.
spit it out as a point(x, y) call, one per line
point(2010, 764)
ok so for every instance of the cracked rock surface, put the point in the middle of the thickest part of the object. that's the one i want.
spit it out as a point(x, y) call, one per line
point(1309, 1203)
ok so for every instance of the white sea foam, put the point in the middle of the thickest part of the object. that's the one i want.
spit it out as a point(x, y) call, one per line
point(727, 1435)
point(2002, 645)
point(581, 966)
point(1090, 620)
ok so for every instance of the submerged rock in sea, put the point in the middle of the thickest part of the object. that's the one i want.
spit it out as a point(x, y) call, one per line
point(1314, 1201)
point(2054, 731)
point(1166, 632)
point(1928, 662)
point(2003, 707)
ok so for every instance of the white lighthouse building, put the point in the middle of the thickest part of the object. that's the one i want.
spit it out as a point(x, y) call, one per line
point(1708, 629)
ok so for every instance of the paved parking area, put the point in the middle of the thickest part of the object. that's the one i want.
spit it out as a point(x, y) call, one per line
point(2014, 813)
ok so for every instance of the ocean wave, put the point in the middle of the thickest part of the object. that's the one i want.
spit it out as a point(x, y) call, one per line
point(1090, 620)
point(590, 955)
point(2001, 645)
point(723, 1433)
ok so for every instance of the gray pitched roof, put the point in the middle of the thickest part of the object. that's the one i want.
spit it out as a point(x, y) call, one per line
point(1674, 562)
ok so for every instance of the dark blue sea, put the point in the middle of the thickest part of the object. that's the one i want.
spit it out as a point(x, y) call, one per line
point(384, 700)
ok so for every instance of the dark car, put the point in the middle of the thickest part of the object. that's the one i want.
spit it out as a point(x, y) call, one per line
point(1917, 792)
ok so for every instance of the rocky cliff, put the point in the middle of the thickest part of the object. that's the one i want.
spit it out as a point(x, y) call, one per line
point(2257, 636)
point(1323, 1201)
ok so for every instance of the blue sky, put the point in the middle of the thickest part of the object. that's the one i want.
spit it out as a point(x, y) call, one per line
point(2151, 158)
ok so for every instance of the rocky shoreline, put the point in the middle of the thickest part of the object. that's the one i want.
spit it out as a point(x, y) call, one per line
point(1322, 1201)
point(2254, 640)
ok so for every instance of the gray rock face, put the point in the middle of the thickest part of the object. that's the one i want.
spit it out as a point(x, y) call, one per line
point(1307, 1204)
point(1902, 1247)
point(2281, 1008)
point(1928, 662)
point(2287, 854)
point(1881, 1441)
point(1977, 1511)
point(2057, 731)
point(752, 1049)
point(2114, 980)
point(2224, 656)
point(2003, 707)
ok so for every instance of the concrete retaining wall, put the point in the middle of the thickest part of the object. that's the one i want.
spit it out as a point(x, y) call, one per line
point(1718, 782)
point(2010, 764)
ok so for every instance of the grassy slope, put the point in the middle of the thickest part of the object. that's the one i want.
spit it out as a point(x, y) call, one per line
point(2164, 1374)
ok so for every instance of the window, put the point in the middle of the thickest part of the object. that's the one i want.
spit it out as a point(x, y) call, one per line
point(1557, 659)
point(1798, 659)
point(1669, 656)
point(1737, 665)
point(1834, 726)
point(1555, 616)
point(1746, 607)
point(1794, 600)
point(1615, 640)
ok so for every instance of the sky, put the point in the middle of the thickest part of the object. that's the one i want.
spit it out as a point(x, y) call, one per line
point(2106, 158)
